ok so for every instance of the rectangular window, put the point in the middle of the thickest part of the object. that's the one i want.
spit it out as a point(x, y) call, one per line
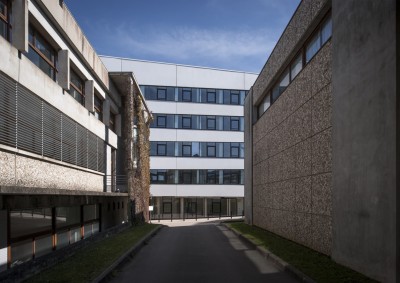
point(187, 176)
point(235, 150)
point(211, 123)
point(313, 46)
point(265, 104)
point(5, 27)
point(211, 150)
point(235, 98)
point(326, 31)
point(41, 53)
point(212, 177)
point(161, 94)
point(211, 96)
point(161, 149)
point(186, 149)
point(296, 67)
point(98, 108)
point(186, 122)
point(161, 121)
point(187, 95)
point(77, 88)
point(112, 122)
point(235, 124)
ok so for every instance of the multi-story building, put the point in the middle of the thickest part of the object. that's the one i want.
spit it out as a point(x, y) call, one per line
point(196, 137)
point(320, 135)
point(66, 134)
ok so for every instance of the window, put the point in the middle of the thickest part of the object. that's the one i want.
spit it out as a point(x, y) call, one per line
point(112, 122)
point(235, 150)
point(187, 176)
point(5, 27)
point(235, 99)
point(41, 53)
point(161, 121)
point(234, 124)
point(187, 95)
point(161, 149)
point(211, 123)
point(186, 122)
point(77, 88)
point(211, 149)
point(326, 31)
point(296, 67)
point(161, 94)
point(212, 177)
point(98, 108)
point(264, 105)
point(313, 46)
point(211, 96)
point(186, 149)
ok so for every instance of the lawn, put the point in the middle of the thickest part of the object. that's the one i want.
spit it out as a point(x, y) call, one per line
point(88, 263)
point(317, 266)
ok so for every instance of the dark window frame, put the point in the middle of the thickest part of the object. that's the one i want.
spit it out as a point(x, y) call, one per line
point(234, 119)
point(6, 18)
point(238, 151)
point(187, 118)
point(159, 90)
point(183, 150)
point(209, 119)
point(211, 92)
point(112, 122)
point(211, 146)
point(159, 145)
point(81, 91)
point(186, 91)
point(98, 107)
point(159, 117)
point(238, 98)
point(50, 61)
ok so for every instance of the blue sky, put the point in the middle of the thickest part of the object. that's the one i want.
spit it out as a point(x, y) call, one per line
point(225, 34)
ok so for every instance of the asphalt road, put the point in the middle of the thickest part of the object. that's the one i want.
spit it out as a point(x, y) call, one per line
point(199, 253)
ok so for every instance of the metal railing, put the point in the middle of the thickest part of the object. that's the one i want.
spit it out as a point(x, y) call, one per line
point(116, 183)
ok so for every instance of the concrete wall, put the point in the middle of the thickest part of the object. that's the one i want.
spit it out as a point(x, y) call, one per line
point(292, 159)
point(23, 171)
point(364, 137)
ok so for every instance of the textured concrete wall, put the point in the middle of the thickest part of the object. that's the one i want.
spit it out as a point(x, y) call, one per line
point(306, 17)
point(364, 137)
point(292, 159)
point(248, 158)
point(16, 170)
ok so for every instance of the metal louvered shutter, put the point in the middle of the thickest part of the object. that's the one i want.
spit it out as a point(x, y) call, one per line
point(7, 111)
point(51, 132)
point(92, 151)
point(101, 155)
point(68, 144)
point(82, 144)
point(29, 121)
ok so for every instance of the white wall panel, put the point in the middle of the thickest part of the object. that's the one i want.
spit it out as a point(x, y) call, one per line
point(208, 109)
point(162, 106)
point(209, 136)
point(210, 190)
point(112, 64)
point(249, 80)
point(163, 162)
point(162, 134)
point(150, 73)
point(163, 190)
point(209, 163)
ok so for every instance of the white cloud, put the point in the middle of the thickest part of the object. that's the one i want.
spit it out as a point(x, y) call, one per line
point(185, 43)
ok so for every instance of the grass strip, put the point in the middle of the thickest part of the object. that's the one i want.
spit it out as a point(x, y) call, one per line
point(317, 266)
point(88, 263)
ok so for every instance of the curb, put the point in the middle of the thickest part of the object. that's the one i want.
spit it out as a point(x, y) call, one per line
point(280, 263)
point(132, 250)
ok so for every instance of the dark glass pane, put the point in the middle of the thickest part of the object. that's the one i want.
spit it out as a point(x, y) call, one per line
point(25, 222)
point(67, 216)
point(44, 47)
point(151, 92)
point(195, 149)
point(187, 95)
point(235, 152)
point(211, 97)
point(234, 124)
point(242, 97)
point(161, 149)
point(186, 149)
point(171, 148)
point(40, 62)
point(171, 121)
point(227, 97)
point(3, 29)
point(235, 98)
point(211, 149)
point(210, 123)
point(227, 150)
point(153, 148)
point(227, 176)
point(326, 31)
point(203, 123)
point(296, 67)
point(161, 94)
point(227, 125)
point(186, 122)
point(203, 95)
point(241, 150)
point(211, 177)
point(170, 93)
point(284, 82)
point(275, 93)
point(161, 121)
point(313, 46)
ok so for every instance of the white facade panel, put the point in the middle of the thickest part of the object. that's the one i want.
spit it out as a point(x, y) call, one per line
point(209, 109)
point(249, 80)
point(210, 191)
point(209, 163)
point(158, 162)
point(163, 190)
point(162, 135)
point(112, 64)
point(149, 73)
point(208, 136)
point(162, 107)
point(209, 78)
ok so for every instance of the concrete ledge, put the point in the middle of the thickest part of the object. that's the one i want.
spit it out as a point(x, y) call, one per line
point(123, 257)
point(280, 263)
point(17, 190)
